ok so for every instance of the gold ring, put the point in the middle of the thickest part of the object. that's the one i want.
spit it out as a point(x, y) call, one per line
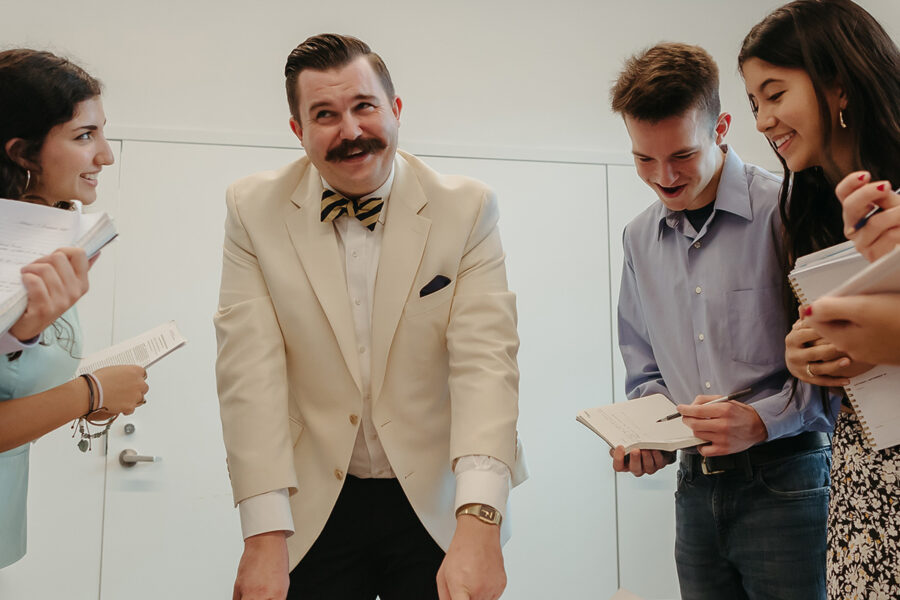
point(809, 371)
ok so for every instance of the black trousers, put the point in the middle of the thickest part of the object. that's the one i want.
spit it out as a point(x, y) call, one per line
point(373, 545)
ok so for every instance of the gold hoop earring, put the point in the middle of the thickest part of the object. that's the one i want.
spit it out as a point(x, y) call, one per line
point(841, 119)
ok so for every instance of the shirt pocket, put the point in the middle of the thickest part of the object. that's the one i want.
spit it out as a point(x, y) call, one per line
point(756, 326)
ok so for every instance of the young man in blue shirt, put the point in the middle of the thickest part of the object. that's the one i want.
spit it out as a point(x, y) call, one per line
point(701, 314)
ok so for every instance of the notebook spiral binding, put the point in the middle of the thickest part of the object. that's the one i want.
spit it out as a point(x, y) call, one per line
point(862, 420)
point(795, 287)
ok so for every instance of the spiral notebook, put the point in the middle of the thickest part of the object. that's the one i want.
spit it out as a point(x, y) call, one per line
point(842, 271)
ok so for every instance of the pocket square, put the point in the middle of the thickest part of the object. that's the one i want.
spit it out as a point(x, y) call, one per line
point(438, 283)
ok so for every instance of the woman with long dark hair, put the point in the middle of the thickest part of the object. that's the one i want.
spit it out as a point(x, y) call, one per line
point(51, 149)
point(823, 79)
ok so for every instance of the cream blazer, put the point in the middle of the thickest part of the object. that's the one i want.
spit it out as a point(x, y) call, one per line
point(444, 379)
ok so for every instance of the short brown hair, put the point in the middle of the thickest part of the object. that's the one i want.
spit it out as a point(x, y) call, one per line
point(329, 51)
point(666, 81)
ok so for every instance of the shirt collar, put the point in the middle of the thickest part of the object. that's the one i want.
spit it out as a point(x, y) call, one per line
point(383, 192)
point(732, 194)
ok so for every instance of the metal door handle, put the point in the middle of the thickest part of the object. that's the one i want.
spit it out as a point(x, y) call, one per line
point(129, 458)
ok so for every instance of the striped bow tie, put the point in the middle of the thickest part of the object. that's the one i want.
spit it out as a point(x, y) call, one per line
point(335, 205)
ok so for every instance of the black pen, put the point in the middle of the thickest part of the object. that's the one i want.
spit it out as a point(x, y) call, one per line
point(732, 396)
point(865, 218)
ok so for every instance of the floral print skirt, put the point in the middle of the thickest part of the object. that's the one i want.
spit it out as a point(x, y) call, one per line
point(863, 517)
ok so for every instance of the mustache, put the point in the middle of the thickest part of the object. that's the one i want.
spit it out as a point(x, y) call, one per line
point(347, 147)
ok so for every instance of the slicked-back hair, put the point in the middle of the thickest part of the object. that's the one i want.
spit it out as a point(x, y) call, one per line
point(328, 51)
point(666, 81)
point(38, 91)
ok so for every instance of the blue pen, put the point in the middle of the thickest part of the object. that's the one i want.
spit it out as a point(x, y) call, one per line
point(865, 218)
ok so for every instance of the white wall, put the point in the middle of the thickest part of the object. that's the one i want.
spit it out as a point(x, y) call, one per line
point(499, 76)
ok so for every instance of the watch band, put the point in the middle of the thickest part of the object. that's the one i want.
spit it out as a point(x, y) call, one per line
point(483, 512)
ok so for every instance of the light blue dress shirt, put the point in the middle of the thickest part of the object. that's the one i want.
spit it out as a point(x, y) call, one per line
point(39, 368)
point(701, 312)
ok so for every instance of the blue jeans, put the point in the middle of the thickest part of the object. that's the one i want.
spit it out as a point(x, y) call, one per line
point(753, 534)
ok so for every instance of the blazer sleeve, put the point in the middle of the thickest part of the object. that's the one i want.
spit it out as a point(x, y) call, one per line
point(251, 370)
point(482, 343)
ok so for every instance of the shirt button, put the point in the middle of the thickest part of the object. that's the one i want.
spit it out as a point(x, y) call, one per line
point(338, 474)
point(701, 337)
point(357, 301)
point(698, 289)
point(354, 254)
point(362, 349)
point(708, 385)
point(354, 419)
point(374, 436)
point(696, 244)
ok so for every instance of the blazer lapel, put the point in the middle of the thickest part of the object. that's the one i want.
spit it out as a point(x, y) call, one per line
point(316, 245)
point(402, 247)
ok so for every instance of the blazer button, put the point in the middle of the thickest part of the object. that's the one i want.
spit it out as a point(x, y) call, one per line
point(338, 474)
point(354, 419)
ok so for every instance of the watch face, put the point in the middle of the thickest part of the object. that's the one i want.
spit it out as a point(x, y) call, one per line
point(487, 512)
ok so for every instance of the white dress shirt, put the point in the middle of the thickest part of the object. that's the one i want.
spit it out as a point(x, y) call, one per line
point(479, 479)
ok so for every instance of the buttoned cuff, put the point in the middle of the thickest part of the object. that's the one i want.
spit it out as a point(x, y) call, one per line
point(9, 343)
point(779, 415)
point(266, 512)
point(481, 480)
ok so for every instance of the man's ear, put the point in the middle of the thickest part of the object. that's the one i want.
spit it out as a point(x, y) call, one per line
point(396, 107)
point(297, 129)
point(723, 124)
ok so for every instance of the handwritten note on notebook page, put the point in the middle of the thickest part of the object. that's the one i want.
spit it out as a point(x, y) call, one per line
point(633, 424)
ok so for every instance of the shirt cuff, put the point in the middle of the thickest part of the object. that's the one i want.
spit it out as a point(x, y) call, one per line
point(266, 512)
point(779, 414)
point(481, 480)
point(9, 343)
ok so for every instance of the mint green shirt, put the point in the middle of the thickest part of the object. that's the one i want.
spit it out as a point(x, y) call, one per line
point(40, 368)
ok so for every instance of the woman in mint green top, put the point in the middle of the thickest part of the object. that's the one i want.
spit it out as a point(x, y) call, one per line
point(40, 368)
point(51, 150)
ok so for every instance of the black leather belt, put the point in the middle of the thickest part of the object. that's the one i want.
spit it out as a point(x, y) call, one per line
point(757, 455)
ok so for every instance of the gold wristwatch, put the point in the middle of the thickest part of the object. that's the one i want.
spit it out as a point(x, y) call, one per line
point(485, 513)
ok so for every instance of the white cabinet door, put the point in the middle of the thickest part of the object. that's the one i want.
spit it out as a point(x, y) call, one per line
point(65, 496)
point(553, 222)
point(646, 504)
point(170, 528)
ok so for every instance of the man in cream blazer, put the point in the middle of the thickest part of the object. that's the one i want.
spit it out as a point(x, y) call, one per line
point(367, 356)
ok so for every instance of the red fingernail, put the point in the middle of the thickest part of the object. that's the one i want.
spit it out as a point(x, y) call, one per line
point(862, 177)
point(882, 187)
point(807, 311)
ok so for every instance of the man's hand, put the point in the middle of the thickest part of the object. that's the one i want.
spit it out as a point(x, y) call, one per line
point(53, 284)
point(263, 573)
point(473, 567)
point(640, 462)
point(729, 426)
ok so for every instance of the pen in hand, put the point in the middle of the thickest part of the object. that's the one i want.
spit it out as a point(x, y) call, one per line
point(874, 211)
point(732, 396)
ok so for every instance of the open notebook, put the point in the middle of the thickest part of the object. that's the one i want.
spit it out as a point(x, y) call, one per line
point(842, 271)
point(633, 424)
point(30, 231)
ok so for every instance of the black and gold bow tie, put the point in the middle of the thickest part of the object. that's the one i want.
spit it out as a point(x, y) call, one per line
point(334, 205)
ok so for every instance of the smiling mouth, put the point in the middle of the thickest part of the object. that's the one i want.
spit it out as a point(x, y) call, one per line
point(781, 140)
point(353, 150)
point(671, 191)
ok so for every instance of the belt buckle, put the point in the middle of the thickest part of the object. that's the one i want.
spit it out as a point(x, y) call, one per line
point(705, 468)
